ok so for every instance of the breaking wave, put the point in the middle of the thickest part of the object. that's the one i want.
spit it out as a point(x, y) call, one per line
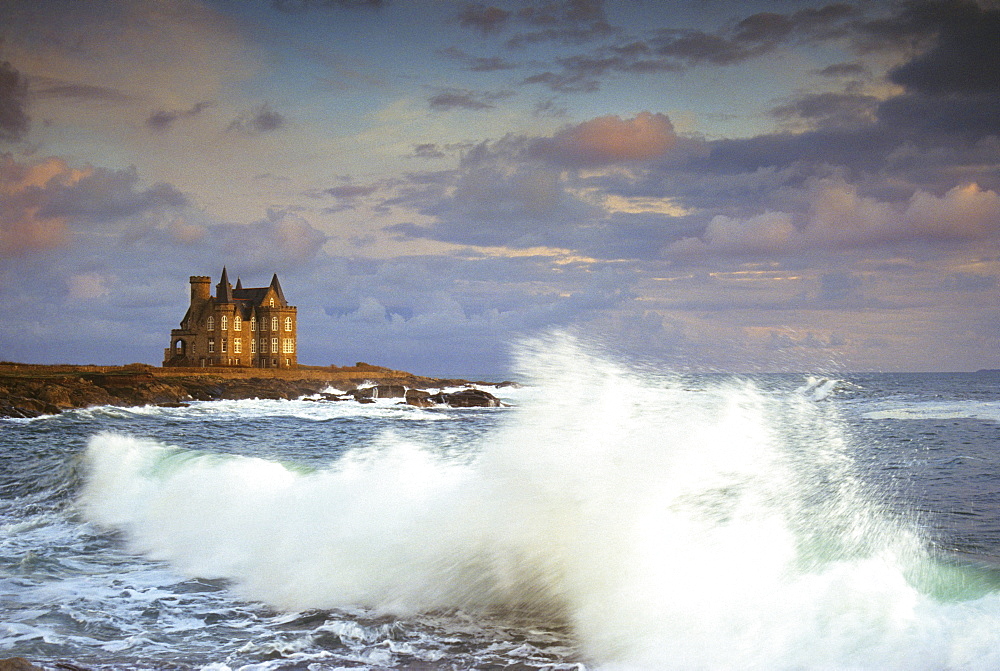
point(718, 528)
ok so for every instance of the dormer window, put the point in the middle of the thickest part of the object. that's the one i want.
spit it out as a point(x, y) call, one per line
point(253, 323)
point(211, 323)
point(272, 303)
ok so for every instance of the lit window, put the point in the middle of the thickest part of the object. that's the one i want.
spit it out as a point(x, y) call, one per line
point(274, 323)
point(287, 345)
point(211, 345)
point(211, 323)
point(223, 344)
point(272, 302)
point(288, 323)
point(253, 345)
point(237, 344)
point(237, 323)
point(274, 345)
point(253, 323)
point(222, 323)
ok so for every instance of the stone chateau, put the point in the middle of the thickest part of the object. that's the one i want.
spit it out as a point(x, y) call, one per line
point(236, 327)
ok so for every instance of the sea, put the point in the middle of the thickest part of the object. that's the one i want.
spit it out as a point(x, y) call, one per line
point(612, 515)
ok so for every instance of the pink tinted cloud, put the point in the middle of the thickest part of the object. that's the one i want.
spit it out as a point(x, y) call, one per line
point(24, 190)
point(839, 217)
point(611, 139)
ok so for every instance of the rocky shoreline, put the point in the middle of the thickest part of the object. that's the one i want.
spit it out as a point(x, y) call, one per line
point(31, 390)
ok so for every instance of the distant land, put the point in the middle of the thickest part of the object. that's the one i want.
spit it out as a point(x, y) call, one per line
point(30, 390)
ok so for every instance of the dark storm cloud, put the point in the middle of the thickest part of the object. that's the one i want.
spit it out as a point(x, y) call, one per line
point(940, 132)
point(14, 120)
point(162, 120)
point(259, 120)
point(754, 36)
point(672, 50)
point(450, 99)
point(965, 58)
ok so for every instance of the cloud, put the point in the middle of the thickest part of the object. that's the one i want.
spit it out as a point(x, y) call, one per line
point(478, 63)
point(838, 217)
point(611, 139)
point(843, 70)
point(351, 191)
point(428, 150)
point(41, 202)
point(281, 240)
point(259, 120)
point(753, 36)
point(81, 92)
point(450, 99)
point(14, 120)
point(87, 286)
point(295, 6)
point(831, 110)
point(485, 19)
point(964, 51)
point(162, 120)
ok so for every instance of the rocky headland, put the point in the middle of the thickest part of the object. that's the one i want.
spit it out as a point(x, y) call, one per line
point(30, 390)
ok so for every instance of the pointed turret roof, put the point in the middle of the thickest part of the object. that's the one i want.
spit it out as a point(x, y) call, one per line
point(277, 289)
point(224, 290)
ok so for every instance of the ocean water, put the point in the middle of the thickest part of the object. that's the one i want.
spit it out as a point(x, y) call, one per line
point(616, 516)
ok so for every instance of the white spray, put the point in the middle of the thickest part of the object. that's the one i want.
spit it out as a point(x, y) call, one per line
point(719, 528)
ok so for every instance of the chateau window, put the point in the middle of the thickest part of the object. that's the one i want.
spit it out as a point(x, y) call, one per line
point(274, 323)
point(223, 344)
point(237, 344)
point(223, 325)
point(211, 344)
point(288, 323)
point(237, 323)
point(263, 345)
point(253, 345)
point(211, 323)
point(272, 302)
point(287, 345)
point(253, 323)
point(274, 345)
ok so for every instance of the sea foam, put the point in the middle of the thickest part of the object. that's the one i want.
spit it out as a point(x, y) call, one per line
point(717, 528)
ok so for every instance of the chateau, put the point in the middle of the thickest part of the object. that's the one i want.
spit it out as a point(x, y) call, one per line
point(236, 327)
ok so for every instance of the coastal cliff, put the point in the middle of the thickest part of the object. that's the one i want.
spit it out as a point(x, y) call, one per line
point(30, 390)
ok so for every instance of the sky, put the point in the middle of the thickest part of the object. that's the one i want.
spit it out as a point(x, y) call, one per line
point(700, 185)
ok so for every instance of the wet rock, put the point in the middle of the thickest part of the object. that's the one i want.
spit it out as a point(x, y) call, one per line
point(18, 664)
point(419, 398)
point(467, 398)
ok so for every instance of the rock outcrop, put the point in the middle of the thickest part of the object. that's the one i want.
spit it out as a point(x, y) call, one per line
point(32, 390)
